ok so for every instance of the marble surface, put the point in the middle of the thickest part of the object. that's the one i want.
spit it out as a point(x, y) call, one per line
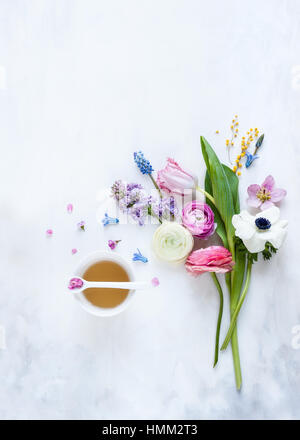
point(82, 85)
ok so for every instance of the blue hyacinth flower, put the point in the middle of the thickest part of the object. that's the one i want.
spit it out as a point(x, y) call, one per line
point(137, 256)
point(109, 220)
point(250, 158)
point(143, 164)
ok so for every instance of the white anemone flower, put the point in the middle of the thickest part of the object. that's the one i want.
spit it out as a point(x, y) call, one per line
point(256, 230)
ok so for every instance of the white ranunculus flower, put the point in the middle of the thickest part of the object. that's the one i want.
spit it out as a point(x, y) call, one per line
point(172, 242)
point(256, 230)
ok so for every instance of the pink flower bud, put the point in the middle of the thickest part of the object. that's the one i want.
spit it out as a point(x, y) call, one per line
point(113, 243)
point(174, 179)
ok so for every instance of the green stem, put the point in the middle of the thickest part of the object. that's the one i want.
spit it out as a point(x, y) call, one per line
point(219, 288)
point(228, 281)
point(234, 339)
point(206, 194)
point(236, 359)
point(156, 186)
point(237, 308)
point(150, 212)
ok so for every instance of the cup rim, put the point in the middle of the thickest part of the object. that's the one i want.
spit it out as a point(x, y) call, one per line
point(81, 268)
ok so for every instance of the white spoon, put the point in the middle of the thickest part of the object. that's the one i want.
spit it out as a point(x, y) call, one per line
point(78, 284)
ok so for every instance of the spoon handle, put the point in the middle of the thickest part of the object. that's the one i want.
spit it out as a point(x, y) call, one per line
point(117, 284)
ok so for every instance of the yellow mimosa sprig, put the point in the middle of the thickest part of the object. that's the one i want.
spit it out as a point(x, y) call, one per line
point(234, 133)
point(246, 142)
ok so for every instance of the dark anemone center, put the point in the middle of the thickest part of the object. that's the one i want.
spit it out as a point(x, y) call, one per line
point(263, 223)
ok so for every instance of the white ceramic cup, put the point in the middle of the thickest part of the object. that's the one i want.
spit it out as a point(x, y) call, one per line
point(93, 258)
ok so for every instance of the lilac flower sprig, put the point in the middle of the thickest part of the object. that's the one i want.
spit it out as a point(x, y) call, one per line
point(145, 167)
point(134, 201)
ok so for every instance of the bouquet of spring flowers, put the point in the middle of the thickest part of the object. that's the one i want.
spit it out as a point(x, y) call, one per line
point(244, 236)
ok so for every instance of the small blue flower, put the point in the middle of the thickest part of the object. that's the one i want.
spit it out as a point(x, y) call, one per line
point(143, 164)
point(109, 220)
point(250, 158)
point(137, 256)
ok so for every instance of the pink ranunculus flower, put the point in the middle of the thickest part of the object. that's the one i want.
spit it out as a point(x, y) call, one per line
point(198, 218)
point(265, 195)
point(174, 179)
point(212, 259)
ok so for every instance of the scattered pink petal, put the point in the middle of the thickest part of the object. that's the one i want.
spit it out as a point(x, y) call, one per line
point(74, 251)
point(49, 232)
point(155, 282)
point(70, 208)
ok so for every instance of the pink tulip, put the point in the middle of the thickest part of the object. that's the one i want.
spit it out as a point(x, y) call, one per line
point(174, 179)
point(212, 259)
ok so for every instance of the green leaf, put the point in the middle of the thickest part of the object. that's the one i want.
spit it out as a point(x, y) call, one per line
point(221, 189)
point(233, 181)
point(268, 251)
point(220, 230)
point(237, 277)
point(234, 185)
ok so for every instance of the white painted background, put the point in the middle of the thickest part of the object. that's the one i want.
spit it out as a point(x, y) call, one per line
point(84, 83)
